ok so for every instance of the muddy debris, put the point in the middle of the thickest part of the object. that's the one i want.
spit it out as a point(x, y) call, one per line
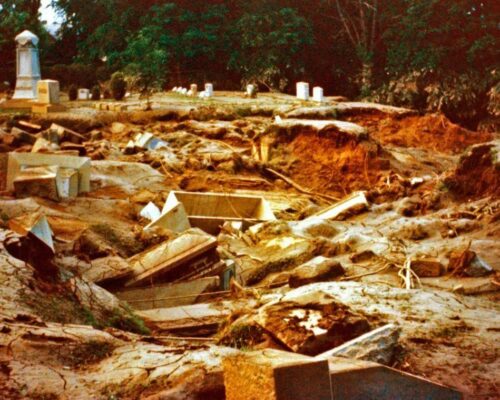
point(172, 253)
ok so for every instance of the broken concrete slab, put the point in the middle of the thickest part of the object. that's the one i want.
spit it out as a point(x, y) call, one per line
point(169, 295)
point(175, 219)
point(356, 199)
point(65, 134)
point(355, 108)
point(311, 325)
point(316, 270)
point(190, 255)
point(105, 269)
point(377, 346)
point(17, 162)
point(322, 127)
point(35, 225)
point(275, 375)
point(150, 212)
point(361, 380)
point(196, 319)
point(209, 211)
point(43, 145)
point(148, 141)
point(465, 285)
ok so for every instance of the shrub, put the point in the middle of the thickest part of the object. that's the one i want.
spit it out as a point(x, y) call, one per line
point(96, 93)
point(73, 92)
point(107, 93)
point(118, 86)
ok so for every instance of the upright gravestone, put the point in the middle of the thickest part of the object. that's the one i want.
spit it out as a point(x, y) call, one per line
point(28, 66)
point(48, 97)
point(303, 91)
point(209, 89)
point(193, 89)
point(318, 94)
point(83, 94)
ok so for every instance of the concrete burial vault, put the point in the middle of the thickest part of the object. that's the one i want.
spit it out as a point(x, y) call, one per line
point(48, 175)
point(209, 211)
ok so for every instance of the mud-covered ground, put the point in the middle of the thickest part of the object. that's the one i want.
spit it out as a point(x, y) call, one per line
point(433, 191)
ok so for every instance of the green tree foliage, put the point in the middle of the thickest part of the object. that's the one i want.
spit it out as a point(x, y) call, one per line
point(443, 55)
point(429, 54)
point(146, 60)
point(118, 86)
point(268, 46)
point(15, 17)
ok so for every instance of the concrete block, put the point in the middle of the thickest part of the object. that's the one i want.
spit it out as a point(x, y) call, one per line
point(20, 161)
point(209, 211)
point(36, 181)
point(48, 91)
point(377, 346)
point(364, 380)
point(275, 375)
point(170, 295)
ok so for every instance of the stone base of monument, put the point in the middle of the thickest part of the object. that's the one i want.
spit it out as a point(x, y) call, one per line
point(17, 104)
point(40, 108)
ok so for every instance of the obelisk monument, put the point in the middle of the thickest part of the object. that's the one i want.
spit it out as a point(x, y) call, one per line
point(28, 66)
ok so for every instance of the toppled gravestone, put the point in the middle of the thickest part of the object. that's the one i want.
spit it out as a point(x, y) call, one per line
point(275, 375)
point(376, 346)
point(312, 323)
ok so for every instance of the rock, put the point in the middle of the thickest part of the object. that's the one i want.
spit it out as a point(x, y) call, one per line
point(95, 135)
point(316, 270)
point(478, 268)
point(377, 346)
point(117, 128)
point(468, 263)
point(427, 268)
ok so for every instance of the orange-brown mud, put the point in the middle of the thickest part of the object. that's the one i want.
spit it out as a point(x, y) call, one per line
point(476, 175)
point(323, 165)
point(432, 131)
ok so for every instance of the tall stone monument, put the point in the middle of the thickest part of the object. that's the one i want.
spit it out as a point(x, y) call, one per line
point(28, 66)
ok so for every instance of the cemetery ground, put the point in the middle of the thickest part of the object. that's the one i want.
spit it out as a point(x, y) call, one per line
point(364, 215)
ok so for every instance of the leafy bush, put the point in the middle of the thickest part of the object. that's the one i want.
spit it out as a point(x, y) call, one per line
point(81, 75)
point(95, 93)
point(72, 92)
point(118, 86)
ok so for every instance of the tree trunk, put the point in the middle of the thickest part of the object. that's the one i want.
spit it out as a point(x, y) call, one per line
point(366, 78)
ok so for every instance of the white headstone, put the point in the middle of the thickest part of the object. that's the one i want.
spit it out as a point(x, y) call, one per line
point(302, 90)
point(194, 89)
point(318, 94)
point(251, 91)
point(209, 90)
point(83, 94)
point(48, 91)
point(28, 66)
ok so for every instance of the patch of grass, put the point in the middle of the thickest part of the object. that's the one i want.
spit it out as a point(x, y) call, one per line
point(127, 321)
point(86, 353)
point(108, 233)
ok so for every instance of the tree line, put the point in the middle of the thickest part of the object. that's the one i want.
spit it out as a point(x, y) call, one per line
point(429, 54)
